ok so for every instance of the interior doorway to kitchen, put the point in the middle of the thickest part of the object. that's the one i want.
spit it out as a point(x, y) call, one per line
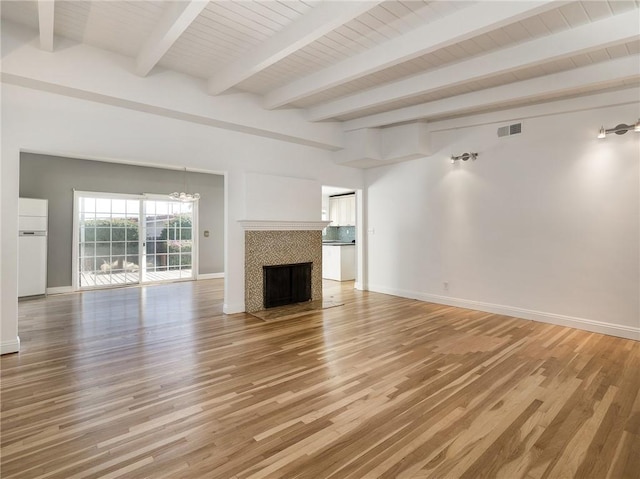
point(343, 238)
point(131, 239)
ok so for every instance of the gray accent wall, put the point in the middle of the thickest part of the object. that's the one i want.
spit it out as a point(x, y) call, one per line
point(54, 178)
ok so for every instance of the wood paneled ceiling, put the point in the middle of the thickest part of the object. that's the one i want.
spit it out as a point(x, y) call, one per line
point(366, 63)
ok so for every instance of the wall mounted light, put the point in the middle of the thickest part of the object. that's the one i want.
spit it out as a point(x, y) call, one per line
point(464, 157)
point(620, 129)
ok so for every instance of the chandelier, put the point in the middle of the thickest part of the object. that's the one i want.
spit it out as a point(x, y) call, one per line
point(182, 196)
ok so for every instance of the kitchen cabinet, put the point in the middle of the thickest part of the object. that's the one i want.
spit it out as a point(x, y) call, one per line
point(339, 262)
point(342, 210)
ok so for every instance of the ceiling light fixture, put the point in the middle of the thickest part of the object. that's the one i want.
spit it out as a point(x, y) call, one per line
point(464, 157)
point(620, 129)
point(182, 196)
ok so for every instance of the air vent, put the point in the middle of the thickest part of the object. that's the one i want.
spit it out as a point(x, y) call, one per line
point(509, 130)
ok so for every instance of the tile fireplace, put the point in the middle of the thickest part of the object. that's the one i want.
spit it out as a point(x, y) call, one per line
point(269, 244)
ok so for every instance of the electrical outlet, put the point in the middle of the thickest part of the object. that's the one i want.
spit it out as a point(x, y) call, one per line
point(445, 285)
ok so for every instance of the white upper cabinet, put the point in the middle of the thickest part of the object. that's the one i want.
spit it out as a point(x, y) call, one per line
point(342, 210)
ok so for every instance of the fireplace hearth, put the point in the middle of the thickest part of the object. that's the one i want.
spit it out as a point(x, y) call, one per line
point(286, 284)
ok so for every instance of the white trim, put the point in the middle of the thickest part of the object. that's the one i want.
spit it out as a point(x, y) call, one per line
point(108, 196)
point(233, 308)
point(361, 239)
point(210, 276)
point(621, 331)
point(75, 239)
point(268, 225)
point(195, 240)
point(229, 284)
point(60, 290)
point(11, 346)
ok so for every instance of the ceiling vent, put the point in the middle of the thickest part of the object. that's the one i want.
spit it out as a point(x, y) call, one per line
point(509, 130)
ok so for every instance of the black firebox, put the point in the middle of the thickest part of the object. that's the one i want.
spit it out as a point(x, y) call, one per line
point(286, 284)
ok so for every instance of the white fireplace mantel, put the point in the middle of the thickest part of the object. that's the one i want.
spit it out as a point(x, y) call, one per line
point(278, 225)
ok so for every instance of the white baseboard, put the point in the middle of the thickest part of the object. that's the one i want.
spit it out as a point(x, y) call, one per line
point(60, 290)
point(621, 331)
point(233, 308)
point(358, 286)
point(11, 346)
point(210, 276)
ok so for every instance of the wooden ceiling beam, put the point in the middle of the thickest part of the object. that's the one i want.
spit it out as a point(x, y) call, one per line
point(322, 19)
point(589, 37)
point(176, 19)
point(597, 75)
point(46, 23)
point(459, 26)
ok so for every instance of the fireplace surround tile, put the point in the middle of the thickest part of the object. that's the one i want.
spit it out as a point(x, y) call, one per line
point(268, 248)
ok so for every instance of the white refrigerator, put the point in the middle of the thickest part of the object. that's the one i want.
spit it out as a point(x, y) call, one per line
point(32, 247)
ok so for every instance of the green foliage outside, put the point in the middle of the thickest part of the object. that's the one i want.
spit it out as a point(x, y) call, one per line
point(111, 230)
point(179, 244)
point(177, 234)
point(172, 230)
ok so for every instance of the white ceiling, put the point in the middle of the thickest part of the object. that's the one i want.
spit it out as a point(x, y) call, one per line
point(365, 63)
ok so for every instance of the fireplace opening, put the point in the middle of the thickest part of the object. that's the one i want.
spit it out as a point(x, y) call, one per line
point(286, 284)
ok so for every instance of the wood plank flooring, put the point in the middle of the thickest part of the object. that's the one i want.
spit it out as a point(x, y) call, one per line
point(156, 382)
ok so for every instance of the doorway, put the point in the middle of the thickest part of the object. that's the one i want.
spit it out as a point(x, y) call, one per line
point(132, 239)
point(343, 240)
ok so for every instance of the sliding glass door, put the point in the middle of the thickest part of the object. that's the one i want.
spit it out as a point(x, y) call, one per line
point(127, 239)
point(108, 241)
point(168, 252)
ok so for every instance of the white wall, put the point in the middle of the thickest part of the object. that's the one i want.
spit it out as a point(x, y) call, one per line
point(290, 199)
point(544, 225)
point(43, 122)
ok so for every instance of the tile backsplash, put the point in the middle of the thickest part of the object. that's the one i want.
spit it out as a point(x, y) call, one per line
point(339, 233)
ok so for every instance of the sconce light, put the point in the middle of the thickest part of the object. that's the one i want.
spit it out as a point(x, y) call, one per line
point(464, 157)
point(620, 129)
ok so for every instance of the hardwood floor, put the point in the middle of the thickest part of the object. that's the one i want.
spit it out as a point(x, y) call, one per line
point(156, 382)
